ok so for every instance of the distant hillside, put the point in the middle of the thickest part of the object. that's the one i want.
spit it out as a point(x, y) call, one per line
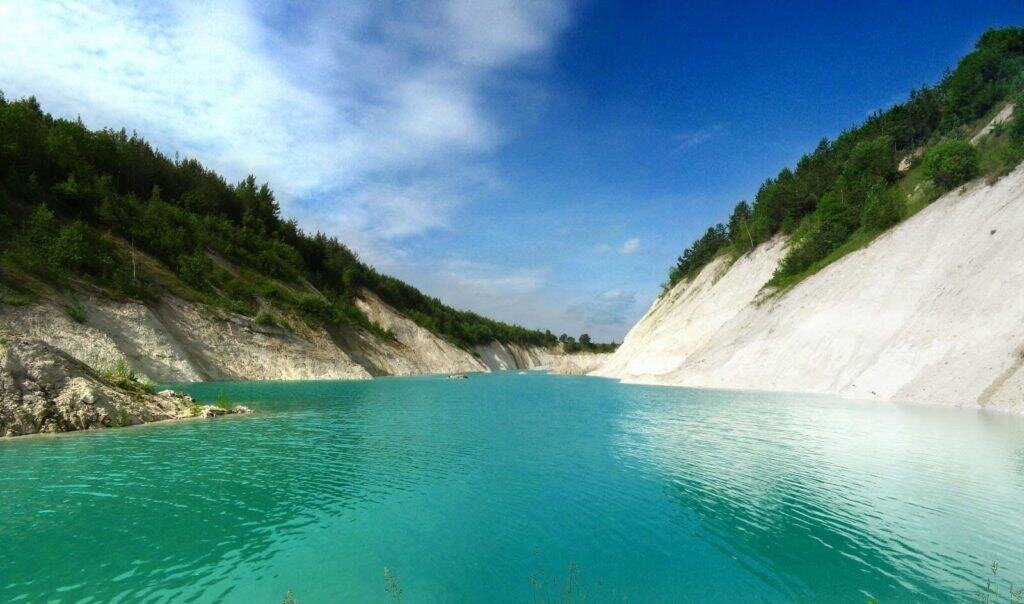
point(103, 209)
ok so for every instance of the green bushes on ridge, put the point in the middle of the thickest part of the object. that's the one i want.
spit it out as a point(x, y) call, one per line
point(77, 204)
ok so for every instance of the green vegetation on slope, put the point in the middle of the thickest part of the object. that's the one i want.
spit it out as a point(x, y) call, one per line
point(845, 192)
point(584, 344)
point(106, 208)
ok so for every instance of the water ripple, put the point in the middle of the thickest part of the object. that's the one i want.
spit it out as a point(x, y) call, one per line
point(465, 488)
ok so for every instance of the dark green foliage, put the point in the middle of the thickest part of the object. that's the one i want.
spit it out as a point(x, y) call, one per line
point(741, 237)
point(699, 254)
point(846, 186)
point(983, 77)
point(950, 163)
point(871, 162)
point(314, 308)
point(884, 208)
point(78, 204)
point(584, 344)
point(267, 318)
point(1016, 125)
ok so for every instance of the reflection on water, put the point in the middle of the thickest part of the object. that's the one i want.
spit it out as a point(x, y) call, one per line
point(465, 487)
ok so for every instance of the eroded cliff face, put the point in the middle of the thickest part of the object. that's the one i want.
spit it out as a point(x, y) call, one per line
point(44, 390)
point(418, 350)
point(179, 341)
point(930, 312)
point(580, 363)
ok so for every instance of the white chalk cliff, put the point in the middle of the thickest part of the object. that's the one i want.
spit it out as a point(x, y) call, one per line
point(930, 312)
point(174, 340)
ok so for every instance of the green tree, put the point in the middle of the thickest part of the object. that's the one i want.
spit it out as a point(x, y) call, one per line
point(950, 163)
point(884, 208)
point(740, 234)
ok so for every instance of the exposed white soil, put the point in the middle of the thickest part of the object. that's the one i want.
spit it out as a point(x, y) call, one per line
point(418, 350)
point(498, 356)
point(580, 363)
point(1001, 117)
point(929, 312)
point(178, 341)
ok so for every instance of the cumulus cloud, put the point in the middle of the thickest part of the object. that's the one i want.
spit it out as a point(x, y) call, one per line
point(362, 115)
point(629, 246)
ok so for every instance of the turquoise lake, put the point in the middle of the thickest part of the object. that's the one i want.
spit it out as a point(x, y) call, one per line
point(486, 489)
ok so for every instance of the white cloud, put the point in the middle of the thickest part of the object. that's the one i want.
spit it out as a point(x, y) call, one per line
point(515, 294)
point(477, 279)
point(375, 109)
point(694, 138)
point(630, 246)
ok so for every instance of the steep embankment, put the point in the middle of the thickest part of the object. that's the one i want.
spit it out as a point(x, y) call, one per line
point(175, 340)
point(930, 312)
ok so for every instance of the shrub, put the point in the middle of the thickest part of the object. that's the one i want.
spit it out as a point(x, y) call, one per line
point(265, 316)
point(75, 310)
point(73, 249)
point(31, 246)
point(871, 161)
point(951, 163)
point(314, 307)
point(1016, 125)
point(883, 209)
point(195, 269)
point(240, 292)
point(123, 376)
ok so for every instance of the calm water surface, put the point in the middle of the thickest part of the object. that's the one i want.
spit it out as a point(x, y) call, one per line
point(486, 489)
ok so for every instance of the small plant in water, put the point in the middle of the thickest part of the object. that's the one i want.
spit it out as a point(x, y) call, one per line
point(990, 593)
point(391, 585)
point(289, 598)
point(223, 401)
point(552, 590)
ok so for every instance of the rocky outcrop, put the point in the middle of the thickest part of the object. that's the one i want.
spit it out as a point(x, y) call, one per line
point(180, 341)
point(929, 312)
point(44, 390)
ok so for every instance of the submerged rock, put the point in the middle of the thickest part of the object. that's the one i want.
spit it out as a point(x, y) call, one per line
point(211, 411)
point(215, 411)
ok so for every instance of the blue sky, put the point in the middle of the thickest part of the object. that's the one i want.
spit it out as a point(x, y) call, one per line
point(539, 162)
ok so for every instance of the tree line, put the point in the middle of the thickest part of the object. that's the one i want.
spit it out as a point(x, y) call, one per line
point(77, 203)
point(849, 186)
